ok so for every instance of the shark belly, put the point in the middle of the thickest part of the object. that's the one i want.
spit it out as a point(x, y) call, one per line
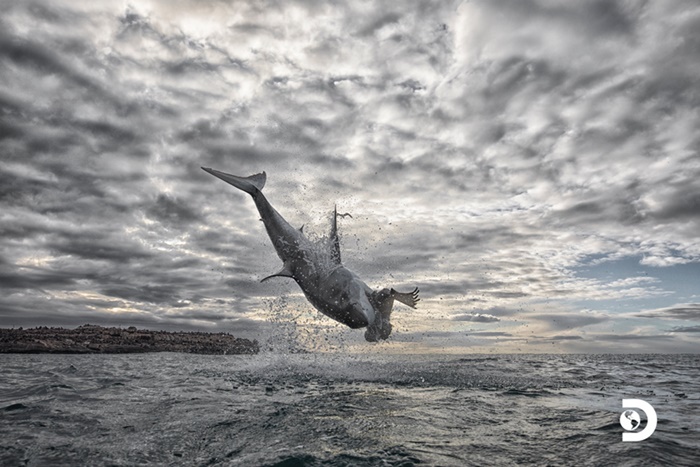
point(340, 295)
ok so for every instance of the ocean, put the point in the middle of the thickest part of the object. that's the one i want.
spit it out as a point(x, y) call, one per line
point(344, 409)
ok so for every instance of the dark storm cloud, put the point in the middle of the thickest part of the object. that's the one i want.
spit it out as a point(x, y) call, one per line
point(98, 246)
point(173, 211)
point(149, 293)
point(598, 17)
point(36, 57)
point(687, 311)
point(519, 77)
point(683, 203)
point(621, 207)
point(12, 277)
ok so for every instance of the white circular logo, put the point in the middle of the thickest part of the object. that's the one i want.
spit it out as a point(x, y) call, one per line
point(630, 420)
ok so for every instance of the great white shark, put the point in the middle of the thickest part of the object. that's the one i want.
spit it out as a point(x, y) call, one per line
point(329, 286)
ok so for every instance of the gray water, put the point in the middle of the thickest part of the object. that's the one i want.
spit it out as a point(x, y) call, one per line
point(336, 409)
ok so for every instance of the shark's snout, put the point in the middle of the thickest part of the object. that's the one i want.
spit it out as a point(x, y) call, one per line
point(357, 319)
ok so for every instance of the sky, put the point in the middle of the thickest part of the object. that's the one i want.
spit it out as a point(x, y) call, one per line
point(531, 166)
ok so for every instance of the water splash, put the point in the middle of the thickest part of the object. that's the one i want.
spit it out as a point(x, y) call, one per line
point(294, 325)
point(319, 248)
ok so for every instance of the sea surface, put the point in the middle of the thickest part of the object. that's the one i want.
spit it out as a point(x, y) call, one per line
point(339, 409)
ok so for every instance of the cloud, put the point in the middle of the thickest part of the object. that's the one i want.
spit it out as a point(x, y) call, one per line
point(172, 212)
point(568, 321)
point(618, 343)
point(27, 317)
point(485, 149)
point(565, 338)
point(490, 334)
point(686, 311)
point(632, 337)
point(476, 318)
point(686, 329)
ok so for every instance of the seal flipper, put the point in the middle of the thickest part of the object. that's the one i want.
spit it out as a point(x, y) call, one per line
point(284, 272)
point(411, 298)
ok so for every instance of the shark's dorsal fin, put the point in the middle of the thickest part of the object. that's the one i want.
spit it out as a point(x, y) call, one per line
point(334, 240)
point(284, 272)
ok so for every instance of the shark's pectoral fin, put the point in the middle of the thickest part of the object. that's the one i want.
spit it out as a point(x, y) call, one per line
point(284, 272)
point(411, 298)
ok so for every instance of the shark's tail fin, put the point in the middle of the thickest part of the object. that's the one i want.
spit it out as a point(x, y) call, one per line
point(251, 185)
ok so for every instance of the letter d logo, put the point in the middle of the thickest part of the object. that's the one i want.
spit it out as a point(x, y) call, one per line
point(630, 420)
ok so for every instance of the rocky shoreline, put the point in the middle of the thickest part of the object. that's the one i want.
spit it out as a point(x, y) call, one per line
point(89, 338)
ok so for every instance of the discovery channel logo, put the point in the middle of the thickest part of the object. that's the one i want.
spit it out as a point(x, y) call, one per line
point(630, 420)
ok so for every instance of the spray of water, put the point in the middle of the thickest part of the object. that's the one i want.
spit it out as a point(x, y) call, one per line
point(294, 325)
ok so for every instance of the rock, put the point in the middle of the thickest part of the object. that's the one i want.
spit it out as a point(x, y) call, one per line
point(97, 339)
